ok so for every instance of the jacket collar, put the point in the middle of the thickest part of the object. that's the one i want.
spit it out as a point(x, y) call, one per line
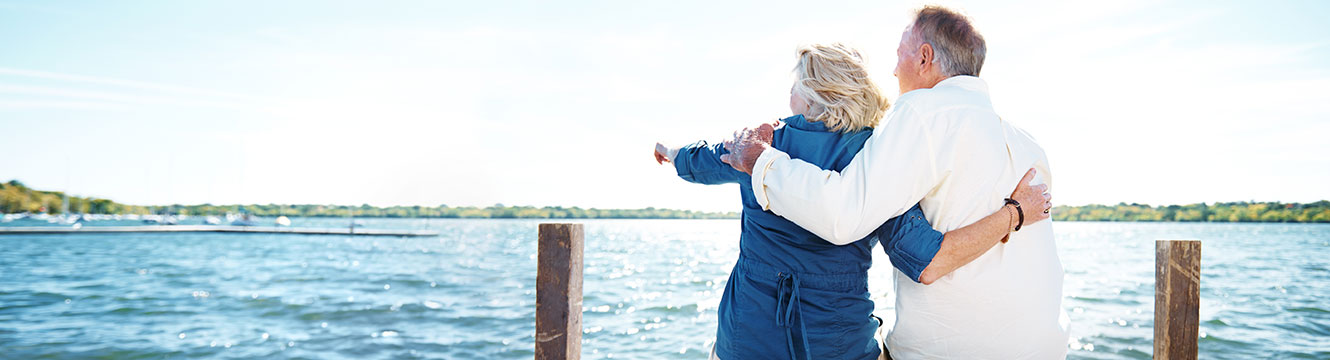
point(801, 123)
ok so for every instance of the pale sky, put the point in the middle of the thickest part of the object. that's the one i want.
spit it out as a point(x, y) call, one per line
point(560, 103)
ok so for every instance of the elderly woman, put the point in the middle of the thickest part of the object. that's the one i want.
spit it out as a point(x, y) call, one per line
point(792, 295)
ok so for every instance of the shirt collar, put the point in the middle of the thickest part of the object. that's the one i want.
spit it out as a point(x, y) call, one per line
point(966, 82)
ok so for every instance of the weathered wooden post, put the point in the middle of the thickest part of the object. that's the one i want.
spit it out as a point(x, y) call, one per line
point(1177, 298)
point(559, 292)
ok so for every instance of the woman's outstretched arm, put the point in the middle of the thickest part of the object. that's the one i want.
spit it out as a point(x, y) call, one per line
point(699, 162)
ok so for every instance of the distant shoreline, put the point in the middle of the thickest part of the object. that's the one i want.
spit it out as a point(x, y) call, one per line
point(17, 198)
point(1231, 212)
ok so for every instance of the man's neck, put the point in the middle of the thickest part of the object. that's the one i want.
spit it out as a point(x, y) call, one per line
point(934, 80)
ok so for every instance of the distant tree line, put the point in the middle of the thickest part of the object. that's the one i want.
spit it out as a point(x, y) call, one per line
point(1317, 212)
point(18, 198)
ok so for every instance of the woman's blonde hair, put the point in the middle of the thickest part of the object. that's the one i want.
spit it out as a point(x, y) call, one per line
point(835, 83)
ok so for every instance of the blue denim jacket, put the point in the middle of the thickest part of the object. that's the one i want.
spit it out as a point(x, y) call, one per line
point(909, 251)
point(816, 290)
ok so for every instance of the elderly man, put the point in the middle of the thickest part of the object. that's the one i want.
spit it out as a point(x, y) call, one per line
point(944, 147)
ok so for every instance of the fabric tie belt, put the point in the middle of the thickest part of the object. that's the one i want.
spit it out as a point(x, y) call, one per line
point(787, 305)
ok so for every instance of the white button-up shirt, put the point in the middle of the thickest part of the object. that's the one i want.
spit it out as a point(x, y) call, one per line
point(946, 149)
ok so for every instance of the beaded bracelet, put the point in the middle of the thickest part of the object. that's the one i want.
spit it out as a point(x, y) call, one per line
point(1018, 211)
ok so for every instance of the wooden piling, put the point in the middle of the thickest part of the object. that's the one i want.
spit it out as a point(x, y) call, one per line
point(559, 292)
point(1177, 298)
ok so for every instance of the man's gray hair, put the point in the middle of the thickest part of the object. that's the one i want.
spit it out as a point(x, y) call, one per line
point(958, 49)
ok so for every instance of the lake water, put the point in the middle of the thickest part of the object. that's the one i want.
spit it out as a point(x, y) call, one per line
point(651, 290)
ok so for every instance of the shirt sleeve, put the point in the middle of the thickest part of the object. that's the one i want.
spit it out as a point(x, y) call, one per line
point(700, 163)
point(896, 168)
point(910, 242)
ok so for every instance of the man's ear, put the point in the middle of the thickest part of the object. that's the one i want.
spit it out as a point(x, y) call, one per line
point(925, 55)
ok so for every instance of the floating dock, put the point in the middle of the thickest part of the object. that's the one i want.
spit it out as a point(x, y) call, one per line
point(16, 230)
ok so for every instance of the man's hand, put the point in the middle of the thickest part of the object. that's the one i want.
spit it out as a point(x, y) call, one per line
point(747, 145)
point(1036, 203)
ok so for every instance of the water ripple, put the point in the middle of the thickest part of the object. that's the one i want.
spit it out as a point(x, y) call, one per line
point(651, 289)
